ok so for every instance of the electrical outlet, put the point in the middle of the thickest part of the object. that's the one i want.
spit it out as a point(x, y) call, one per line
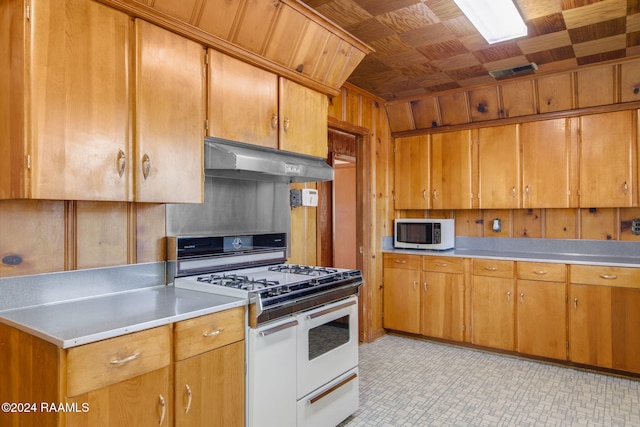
point(295, 198)
point(635, 226)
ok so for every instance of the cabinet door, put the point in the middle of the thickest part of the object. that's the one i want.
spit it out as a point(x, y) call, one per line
point(209, 388)
point(545, 164)
point(606, 160)
point(542, 319)
point(590, 325)
point(140, 401)
point(451, 170)
point(402, 300)
point(499, 167)
point(625, 324)
point(492, 312)
point(169, 117)
point(303, 119)
point(79, 106)
point(243, 101)
point(443, 305)
point(412, 173)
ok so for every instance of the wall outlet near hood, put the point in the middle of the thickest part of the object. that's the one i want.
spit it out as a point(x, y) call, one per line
point(295, 198)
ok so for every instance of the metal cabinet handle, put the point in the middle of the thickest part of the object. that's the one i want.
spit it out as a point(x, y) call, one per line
point(328, 391)
point(134, 356)
point(163, 405)
point(526, 190)
point(122, 162)
point(279, 328)
point(521, 297)
point(508, 296)
point(575, 303)
point(415, 284)
point(274, 121)
point(609, 276)
point(441, 264)
point(286, 124)
point(189, 396)
point(435, 194)
point(539, 272)
point(330, 310)
point(425, 286)
point(491, 268)
point(626, 188)
point(146, 166)
point(213, 333)
point(424, 194)
point(400, 261)
point(514, 192)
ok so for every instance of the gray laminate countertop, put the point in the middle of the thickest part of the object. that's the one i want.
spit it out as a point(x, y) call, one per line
point(75, 322)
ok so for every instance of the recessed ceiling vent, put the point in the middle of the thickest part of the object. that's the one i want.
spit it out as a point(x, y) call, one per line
point(514, 71)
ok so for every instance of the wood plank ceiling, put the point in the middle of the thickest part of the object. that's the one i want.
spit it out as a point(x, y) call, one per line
point(428, 46)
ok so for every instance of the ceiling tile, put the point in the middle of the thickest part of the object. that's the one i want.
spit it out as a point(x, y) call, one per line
point(551, 55)
point(369, 30)
point(409, 18)
point(545, 25)
point(498, 52)
point(600, 45)
point(594, 13)
point(344, 12)
point(377, 7)
point(598, 30)
point(433, 33)
point(547, 41)
point(445, 49)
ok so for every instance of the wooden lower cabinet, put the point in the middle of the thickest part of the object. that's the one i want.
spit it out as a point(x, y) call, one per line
point(129, 380)
point(541, 320)
point(443, 298)
point(604, 320)
point(493, 304)
point(209, 370)
point(402, 293)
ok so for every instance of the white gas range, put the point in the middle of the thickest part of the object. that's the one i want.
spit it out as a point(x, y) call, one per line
point(302, 334)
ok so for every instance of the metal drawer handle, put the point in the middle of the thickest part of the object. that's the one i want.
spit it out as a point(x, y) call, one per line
point(540, 272)
point(330, 310)
point(400, 261)
point(508, 296)
point(134, 356)
point(441, 264)
point(279, 328)
point(163, 405)
point(189, 395)
point(122, 162)
point(608, 276)
point(210, 334)
point(146, 166)
point(328, 391)
point(491, 268)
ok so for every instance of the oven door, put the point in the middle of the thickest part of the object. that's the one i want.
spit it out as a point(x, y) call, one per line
point(327, 344)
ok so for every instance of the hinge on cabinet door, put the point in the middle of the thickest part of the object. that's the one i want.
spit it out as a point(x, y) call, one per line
point(28, 161)
point(27, 12)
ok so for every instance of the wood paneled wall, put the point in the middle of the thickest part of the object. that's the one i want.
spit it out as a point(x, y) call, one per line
point(42, 236)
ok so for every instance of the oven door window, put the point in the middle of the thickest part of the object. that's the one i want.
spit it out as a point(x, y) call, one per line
point(328, 336)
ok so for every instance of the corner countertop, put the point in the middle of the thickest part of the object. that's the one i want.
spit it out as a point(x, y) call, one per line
point(560, 258)
point(81, 321)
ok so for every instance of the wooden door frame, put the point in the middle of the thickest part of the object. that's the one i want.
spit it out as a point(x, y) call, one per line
point(364, 200)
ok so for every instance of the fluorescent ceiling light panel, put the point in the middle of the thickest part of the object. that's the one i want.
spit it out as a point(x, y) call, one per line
point(496, 20)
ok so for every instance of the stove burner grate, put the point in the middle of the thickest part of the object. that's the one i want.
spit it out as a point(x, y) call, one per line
point(303, 269)
point(238, 281)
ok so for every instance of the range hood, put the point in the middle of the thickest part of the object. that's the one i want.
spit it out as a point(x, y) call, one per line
point(229, 159)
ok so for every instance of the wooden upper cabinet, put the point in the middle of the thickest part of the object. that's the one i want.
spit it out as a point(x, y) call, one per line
point(484, 104)
point(243, 101)
point(545, 164)
point(555, 93)
point(518, 99)
point(303, 119)
point(65, 105)
point(412, 173)
point(630, 81)
point(596, 86)
point(606, 160)
point(499, 167)
point(451, 170)
point(169, 116)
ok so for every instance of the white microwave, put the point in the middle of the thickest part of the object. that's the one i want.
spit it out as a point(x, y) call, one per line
point(434, 234)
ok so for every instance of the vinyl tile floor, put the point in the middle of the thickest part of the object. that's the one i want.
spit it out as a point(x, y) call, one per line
point(406, 382)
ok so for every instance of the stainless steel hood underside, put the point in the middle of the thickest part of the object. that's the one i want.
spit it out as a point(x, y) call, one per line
point(228, 159)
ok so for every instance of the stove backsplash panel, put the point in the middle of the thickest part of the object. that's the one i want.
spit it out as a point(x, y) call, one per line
point(233, 206)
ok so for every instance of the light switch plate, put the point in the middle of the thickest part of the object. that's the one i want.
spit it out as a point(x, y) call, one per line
point(309, 197)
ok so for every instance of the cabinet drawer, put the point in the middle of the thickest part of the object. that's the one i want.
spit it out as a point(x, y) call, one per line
point(96, 365)
point(542, 271)
point(443, 264)
point(605, 276)
point(493, 268)
point(408, 262)
point(204, 333)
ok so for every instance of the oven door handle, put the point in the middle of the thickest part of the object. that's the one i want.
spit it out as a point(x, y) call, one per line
point(330, 310)
point(330, 390)
point(279, 328)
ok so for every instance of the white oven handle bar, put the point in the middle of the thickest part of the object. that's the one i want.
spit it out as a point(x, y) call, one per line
point(330, 390)
point(330, 310)
point(279, 328)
